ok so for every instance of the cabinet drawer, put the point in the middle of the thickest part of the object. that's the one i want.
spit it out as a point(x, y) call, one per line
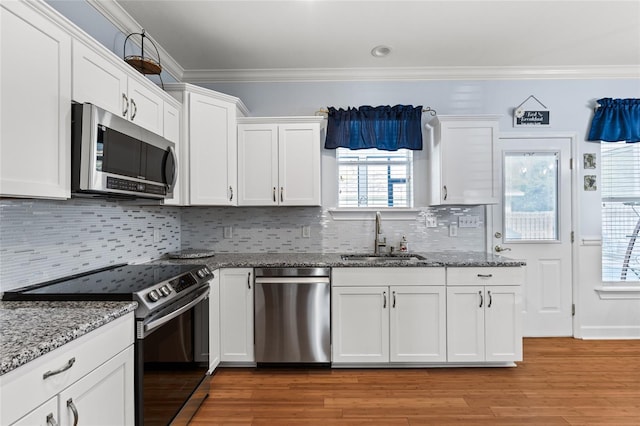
point(387, 276)
point(24, 388)
point(486, 276)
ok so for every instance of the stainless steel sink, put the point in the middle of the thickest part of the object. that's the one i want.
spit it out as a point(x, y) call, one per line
point(381, 257)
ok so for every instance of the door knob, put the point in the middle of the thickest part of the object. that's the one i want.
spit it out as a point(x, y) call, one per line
point(499, 248)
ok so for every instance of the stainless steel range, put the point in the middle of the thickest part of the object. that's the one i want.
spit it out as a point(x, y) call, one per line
point(172, 342)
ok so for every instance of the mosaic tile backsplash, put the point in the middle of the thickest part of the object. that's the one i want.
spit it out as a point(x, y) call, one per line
point(42, 240)
point(280, 230)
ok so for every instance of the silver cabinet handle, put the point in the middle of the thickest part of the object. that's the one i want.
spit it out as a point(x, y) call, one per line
point(249, 280)
point(51, 421)
point(281, 194)
point(135, 109)
point(445, 191)
point(274, 194)
point(125, 105)
point(481, 299)
point(485, 275)
point(490, 299)
point(73, 408)
point(384, 300)
point(394, 299)
point(231, 192)
point(65, 367)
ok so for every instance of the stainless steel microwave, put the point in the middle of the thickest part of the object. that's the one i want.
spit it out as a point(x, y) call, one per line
point(111, 156)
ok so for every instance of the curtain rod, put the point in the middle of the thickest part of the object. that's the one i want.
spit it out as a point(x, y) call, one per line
point(323, 111)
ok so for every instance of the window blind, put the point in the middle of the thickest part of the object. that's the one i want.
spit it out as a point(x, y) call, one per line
point(374, 178)
point(620, 189)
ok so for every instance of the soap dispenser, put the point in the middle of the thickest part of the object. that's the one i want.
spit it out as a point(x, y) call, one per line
point(403, 244)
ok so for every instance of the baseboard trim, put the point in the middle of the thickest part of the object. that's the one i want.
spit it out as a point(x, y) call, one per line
point(610, 332)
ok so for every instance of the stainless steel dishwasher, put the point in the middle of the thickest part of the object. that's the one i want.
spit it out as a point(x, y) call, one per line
point(292, 316)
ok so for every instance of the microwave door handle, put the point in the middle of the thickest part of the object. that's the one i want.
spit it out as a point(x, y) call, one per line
point(175, 169)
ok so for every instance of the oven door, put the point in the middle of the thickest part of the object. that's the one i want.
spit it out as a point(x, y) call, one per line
point(172, 361)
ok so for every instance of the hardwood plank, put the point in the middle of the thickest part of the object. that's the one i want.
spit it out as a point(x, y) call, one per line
point(562, 381)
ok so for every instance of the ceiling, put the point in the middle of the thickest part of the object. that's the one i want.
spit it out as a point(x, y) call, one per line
point(265, 40)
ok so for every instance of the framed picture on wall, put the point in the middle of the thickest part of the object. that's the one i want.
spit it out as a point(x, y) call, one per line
point(589, 161)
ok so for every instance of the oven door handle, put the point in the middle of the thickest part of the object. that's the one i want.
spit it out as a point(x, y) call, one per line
point(152, 325)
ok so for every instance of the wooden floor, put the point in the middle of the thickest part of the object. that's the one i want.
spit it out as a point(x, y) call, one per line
point(562, 381)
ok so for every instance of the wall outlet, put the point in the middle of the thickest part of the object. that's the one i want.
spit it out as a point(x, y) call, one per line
point(306, 231)
point(469, 221)
point(430, 221)
point(156, 235)
point(227, 232)
point(453, 230)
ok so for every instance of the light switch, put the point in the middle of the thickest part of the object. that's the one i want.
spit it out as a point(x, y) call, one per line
point(306, 231)
point(453, 230)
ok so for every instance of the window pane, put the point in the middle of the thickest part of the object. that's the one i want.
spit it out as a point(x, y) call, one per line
point(620, 186)
point(373, 178)
point(531, 196)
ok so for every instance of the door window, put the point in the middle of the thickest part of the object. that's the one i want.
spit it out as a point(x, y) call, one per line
point(530, 196)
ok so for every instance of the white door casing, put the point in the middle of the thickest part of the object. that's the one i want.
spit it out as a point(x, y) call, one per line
point(547, 293)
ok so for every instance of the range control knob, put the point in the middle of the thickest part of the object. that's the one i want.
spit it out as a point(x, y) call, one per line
point(165, 290)
point(153, 296)
point(200, 273)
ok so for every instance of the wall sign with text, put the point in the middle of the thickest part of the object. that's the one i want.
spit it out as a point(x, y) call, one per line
point(531, 112)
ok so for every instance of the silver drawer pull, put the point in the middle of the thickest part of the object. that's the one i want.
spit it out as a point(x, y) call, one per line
point(51, 421)
point(59, 370)
point(485, 275)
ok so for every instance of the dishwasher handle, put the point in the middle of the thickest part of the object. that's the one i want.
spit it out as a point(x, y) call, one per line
point(292, 280)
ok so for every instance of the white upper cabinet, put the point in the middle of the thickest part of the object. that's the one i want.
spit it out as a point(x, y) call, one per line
point(461, 160)
point(208, 145)
point(35, 109)
point(99, 80)
point(279, 161)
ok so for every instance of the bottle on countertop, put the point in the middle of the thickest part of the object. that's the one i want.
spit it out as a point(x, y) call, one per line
point(404, 247)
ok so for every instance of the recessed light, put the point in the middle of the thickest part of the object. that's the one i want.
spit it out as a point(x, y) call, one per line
point(380, 51)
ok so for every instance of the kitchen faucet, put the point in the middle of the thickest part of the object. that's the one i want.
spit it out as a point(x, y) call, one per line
point(379, 241)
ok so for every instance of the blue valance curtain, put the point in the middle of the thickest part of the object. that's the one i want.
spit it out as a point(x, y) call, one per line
point(616, 120)
point(383, 127)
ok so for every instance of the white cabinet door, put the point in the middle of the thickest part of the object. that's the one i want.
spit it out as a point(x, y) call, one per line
point(418, 324)
point(102, 397)
point(97, 80)
point(214, 321)
point(462, 160)
point(503, 323)
point(236, 315)
point(299, 164)
point(360, 324)
point(35, 106)
point(146, 108)
point(465, 324)
point(258, 165)
point(44, 415)
point(212, 151)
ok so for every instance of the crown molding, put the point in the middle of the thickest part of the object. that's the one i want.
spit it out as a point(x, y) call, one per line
point(417, 73)
point(124, 22)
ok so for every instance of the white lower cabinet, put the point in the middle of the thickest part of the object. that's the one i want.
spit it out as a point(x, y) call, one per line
point(388, 323)
point(484, 322)
point(236, 315)
point(87, 381)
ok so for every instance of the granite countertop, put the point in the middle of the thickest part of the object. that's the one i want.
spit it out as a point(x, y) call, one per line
point(32, 329)
point(283, 260)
